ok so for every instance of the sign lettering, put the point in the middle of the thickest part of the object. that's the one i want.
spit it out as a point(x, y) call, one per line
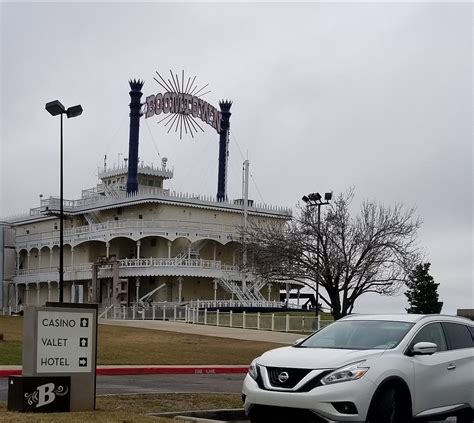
point(64, 342)
point(183, 104)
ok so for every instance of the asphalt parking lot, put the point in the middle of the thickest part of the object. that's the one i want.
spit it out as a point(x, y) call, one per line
point(148, 384)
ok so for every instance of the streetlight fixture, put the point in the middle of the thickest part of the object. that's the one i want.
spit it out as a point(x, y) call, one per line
point(56, 108)
point(314, 199)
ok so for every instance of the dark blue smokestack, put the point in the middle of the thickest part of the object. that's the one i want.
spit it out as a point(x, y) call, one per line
point(135, 113)
point(223, 149)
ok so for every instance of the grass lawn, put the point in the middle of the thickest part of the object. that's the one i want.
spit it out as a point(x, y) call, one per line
point(122, 345)
point(130, 408)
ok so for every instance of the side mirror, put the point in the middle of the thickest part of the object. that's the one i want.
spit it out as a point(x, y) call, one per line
point(299, 341)
point(424, 348)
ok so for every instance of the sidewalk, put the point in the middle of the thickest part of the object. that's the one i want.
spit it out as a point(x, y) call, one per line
point(217, 331)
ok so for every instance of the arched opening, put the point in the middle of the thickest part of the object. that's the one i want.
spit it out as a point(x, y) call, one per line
point(154, 246)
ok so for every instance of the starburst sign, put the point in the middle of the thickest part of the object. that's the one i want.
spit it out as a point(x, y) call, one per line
point(183, 105)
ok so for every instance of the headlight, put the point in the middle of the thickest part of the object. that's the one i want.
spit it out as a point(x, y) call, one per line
point(253, 372)
point(353, 371)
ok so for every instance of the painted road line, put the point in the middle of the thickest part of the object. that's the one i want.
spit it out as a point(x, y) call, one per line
point(144, 370)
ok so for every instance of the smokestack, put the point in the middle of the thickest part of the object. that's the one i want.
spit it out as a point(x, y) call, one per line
point(223, 150)
point(135, 113)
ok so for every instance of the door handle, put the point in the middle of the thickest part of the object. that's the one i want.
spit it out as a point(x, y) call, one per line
point(451, 366)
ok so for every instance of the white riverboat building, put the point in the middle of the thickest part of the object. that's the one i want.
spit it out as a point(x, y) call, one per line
point(130, 241)
point(152, 246)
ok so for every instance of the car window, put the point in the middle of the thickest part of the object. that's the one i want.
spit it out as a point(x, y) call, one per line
point(431, 333)
point(458, 336)
point(359, 335)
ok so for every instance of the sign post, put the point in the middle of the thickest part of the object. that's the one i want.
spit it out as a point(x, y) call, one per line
point(61, 340)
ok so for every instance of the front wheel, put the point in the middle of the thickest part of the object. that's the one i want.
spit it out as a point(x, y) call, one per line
point(388, 407)
point(465, 416)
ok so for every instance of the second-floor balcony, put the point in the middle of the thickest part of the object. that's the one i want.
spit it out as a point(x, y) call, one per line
point(152, 266)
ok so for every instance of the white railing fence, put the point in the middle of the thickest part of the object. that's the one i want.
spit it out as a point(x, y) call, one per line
point(247, 320)
point(11, 310)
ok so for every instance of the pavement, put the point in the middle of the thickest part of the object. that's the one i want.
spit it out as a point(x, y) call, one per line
point(220, 332)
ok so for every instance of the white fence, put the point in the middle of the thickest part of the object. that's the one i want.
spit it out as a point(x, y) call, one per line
point(247, 320)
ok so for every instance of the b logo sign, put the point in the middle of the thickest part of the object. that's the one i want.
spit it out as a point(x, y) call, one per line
point(46, 394)
point(41, 394)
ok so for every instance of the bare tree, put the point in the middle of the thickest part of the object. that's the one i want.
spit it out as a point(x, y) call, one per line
point(371, 252)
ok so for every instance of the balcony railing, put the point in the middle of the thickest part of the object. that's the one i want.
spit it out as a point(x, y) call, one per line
point(51, 204)
point(138, 263)
point(201, 229)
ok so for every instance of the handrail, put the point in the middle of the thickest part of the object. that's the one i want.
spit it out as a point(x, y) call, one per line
point(140, 262)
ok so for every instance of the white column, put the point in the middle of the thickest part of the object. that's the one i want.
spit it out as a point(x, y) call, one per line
point(298, 298)
point(137, 289)
point(180, 288)
point(51, 257)
point(269, 287)
point(49, 291)
point(72, 257)
point(107, 249)
point(138, 249)
point(287, 294)
point(37, 294)
point(215, 289)
point(169, 249)
point(27, 289)
point(17, 262)
point(189, 251)
point(28, 261)
point(39, 259)
point(16, 295)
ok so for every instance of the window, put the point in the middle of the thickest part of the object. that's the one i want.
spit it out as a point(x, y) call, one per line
point(458, 336)
point(359, 335)
point(431, 333)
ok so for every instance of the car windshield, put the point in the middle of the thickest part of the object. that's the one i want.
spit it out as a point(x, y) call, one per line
point(359, 335)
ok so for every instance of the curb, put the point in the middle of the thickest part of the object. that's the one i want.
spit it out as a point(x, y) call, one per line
point(206, 416)
point(149, 370)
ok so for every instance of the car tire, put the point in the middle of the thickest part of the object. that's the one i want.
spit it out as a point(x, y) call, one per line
point(466, 416)
point(388, 407)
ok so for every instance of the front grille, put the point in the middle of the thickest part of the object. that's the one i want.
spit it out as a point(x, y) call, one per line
point(282, 377)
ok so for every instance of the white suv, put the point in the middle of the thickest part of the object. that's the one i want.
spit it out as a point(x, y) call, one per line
point(368, 368)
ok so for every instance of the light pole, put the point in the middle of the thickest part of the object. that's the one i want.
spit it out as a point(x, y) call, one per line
point(56, 108)
point(315, 200)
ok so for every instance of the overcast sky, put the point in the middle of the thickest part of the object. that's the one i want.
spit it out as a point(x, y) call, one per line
point(326, 96)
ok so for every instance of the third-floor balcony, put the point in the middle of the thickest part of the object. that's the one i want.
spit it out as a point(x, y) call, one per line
point(138, 228)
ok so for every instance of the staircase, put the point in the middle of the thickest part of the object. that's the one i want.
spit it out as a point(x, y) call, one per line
point(196, 248)
point(91, 218)
point(232, 287)
point(256, 288)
